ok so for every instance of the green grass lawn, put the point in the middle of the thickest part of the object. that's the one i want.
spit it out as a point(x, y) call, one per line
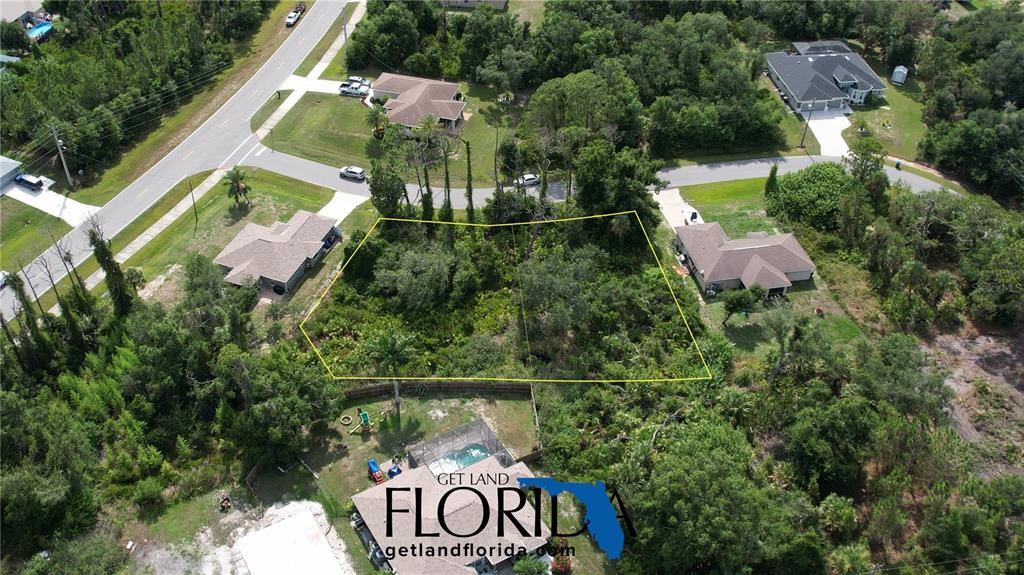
point(737, 205)
point(268, 108)
point(343, 471)
point(25, 233)
point(528, 10)
point(332, 130)
point(895, 121)
point(274, 198)
point(326, 40)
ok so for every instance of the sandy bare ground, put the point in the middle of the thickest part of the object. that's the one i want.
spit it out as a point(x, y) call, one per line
point(214, 549)
point(974, 363)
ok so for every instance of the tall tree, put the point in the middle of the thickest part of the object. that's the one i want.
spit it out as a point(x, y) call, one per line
point(470, 215)
point(771, 185)
point(386, 188)
point(390, 351)
point(122, 294)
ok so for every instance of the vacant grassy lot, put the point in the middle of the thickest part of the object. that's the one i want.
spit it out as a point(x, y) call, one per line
point(332, 130)
point(25, 233)
point(274, 197)
point(342, 469)
point(896, 120)
point(528, 10)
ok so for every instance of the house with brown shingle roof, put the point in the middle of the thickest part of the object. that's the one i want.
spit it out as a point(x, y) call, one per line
point(717, 263)
point(277, 256)
point(463, 512)
point(409, 99)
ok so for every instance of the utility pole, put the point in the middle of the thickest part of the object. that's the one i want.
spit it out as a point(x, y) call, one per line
point(194, 210)
point(60, 151)
point(807, 122)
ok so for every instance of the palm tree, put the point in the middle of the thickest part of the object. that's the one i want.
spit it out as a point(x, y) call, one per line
point(390, 350)
point(429, 128)
point(377, 118)
point(237, 188)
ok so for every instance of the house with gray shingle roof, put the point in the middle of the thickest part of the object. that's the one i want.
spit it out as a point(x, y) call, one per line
point(773, 262)
point(409, 99)
point(277, 256)
point(823, 75)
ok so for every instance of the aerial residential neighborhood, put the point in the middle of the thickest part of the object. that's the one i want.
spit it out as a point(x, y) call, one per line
point(514, 287)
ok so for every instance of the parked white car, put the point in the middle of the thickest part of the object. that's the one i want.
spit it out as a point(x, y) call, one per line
point(353, 173)
point(358, 80)
point(350, 89)
point(528, 180)
point(292, 17)
point(4, 277)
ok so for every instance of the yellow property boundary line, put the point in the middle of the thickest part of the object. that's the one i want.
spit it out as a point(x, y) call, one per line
point(654, 252)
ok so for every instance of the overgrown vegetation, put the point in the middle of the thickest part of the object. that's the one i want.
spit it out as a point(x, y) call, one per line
point(935, 257)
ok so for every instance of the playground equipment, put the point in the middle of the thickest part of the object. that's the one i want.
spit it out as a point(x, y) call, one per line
point(364, 422)
point(373, 470)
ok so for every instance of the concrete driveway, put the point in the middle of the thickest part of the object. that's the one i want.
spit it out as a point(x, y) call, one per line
point(675, 209)
point(828, 126)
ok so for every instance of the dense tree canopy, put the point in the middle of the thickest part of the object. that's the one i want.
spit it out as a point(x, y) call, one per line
point(112, 71)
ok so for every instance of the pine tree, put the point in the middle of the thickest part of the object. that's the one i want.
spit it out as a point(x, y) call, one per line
point(469, 183)
point(122, 295)
point(427, 199)
point(76, 337)
point(771, 186)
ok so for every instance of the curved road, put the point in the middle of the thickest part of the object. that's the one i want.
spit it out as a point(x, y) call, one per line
point(226, 139)
point(221, 141)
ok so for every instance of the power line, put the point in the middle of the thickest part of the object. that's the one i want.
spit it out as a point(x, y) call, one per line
point(192, 85)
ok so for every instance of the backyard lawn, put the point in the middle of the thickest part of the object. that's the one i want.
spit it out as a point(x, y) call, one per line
point(342, 471)
point(25, 233)
point(332, 129)
point(896, 120)
point(274, 198)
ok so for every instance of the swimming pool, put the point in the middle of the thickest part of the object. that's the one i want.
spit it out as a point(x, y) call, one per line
point(459, 459)
point(39, 30)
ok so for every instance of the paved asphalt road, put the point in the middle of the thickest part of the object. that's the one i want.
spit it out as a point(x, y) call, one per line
point(316, 173)
point(223, 140)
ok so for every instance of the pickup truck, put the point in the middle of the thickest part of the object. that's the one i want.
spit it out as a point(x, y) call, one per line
point(292, 18)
